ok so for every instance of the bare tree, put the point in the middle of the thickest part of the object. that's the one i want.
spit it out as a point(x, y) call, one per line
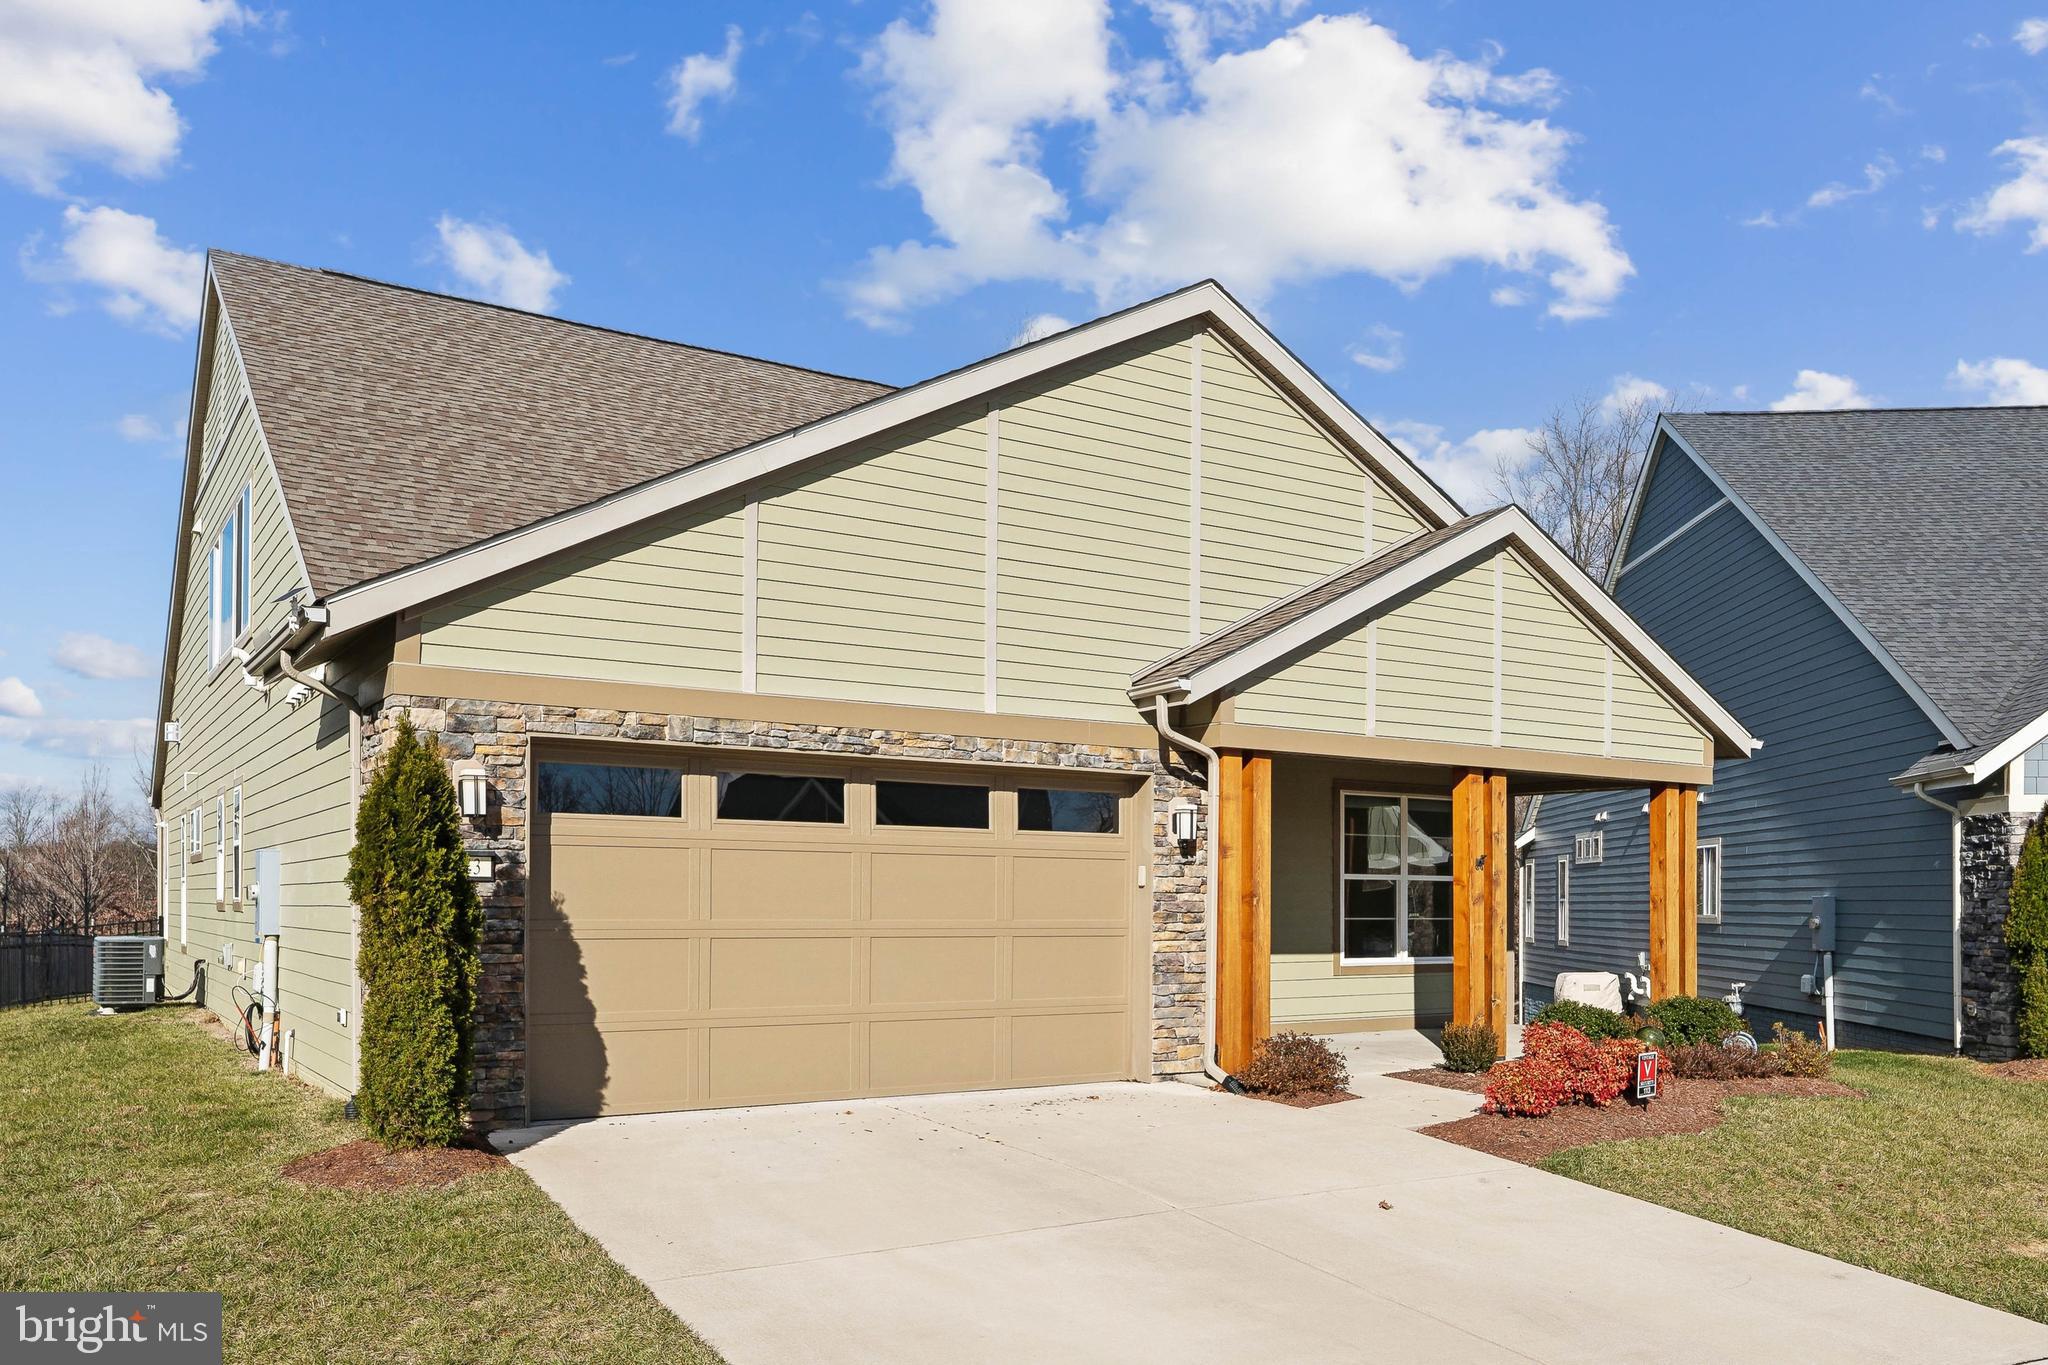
point(1582, 467)
point(72, 865)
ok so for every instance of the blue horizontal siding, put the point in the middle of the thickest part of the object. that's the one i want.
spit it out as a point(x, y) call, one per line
point(1679, 491)
point(1814, 810)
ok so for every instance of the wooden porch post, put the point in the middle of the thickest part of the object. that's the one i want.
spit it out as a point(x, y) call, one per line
point(1479, 901)
point(1674, 892)
point(1242, 959)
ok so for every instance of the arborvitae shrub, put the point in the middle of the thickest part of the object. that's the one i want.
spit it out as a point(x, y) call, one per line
point(2026, 933)
point(419, 927)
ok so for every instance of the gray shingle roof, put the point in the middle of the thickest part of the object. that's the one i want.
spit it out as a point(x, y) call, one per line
point(480, 419)
point(1931, 527)
point(1279, 615)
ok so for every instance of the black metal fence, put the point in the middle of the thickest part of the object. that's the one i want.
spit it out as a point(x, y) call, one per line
point(54, 964)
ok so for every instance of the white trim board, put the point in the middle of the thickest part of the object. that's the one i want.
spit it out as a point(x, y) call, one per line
point(1207, 302)
point(1651, 553)
point(1510, 526)
point(1835, 604)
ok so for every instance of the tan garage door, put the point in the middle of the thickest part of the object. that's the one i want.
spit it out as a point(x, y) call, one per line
point(717, 931)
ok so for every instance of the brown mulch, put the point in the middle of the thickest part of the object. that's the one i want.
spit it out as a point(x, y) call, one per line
point(1472, 1081)
point(1308, 1099)
point(370, 1165)
point(1682, 1107)
point(2030, 1069)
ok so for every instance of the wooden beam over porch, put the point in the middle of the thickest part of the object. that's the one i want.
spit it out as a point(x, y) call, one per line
point(1244, 906)
point(1674, 891)
point(1479, 901)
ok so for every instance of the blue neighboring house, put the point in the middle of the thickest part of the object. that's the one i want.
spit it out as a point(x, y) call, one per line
point(1867, 591)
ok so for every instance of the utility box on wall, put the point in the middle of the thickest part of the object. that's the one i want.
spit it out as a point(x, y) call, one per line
point(1821, 920)
point(268, 893)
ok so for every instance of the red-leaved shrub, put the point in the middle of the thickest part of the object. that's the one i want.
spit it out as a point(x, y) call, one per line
point(1560, 1065)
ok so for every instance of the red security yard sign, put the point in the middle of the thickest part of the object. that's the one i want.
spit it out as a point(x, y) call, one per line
point(1647, 1064)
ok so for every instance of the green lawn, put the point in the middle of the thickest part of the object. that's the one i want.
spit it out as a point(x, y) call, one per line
point(136, 1153)
point(1937, 1177)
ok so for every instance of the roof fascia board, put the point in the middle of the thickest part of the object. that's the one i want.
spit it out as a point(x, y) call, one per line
point(1835, 604)
point(210, 316)
point(2006, 750)
point(1512, 525)
point(447, 573)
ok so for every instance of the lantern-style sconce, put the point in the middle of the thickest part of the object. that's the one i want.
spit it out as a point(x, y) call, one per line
point(1184, 823)
point(473, 791)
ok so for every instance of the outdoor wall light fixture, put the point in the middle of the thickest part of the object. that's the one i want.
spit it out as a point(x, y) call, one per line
point(1184, 823)
point(472, 792)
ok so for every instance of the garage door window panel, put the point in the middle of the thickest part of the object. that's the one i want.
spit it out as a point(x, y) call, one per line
point(931, 805)
point(1055, 810)
point(610, 789)
point(782, 798)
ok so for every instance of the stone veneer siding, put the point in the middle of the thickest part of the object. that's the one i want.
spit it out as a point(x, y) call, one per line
point(498, 735)
point(1991, 990)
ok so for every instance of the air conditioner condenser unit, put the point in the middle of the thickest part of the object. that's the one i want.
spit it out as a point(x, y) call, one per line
point(127, 970)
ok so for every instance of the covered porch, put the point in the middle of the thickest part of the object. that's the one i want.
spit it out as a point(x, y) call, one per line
point(1355, 897)
point(1365, 741)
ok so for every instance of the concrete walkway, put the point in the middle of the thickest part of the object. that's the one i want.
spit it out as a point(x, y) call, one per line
point(1133, 1223)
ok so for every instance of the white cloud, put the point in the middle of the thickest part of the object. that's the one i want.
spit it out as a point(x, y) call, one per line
point(1508, 296)
point(1332, 149)
point(1819, 391)
point(493, 264)
point(1038, 328)
point(2032, 34)
point(1877, 173)
point(143, 279)
point(2003, 380)
point(1764, 219)
point(1629, 390)
point(97, 739)
point(1465, 469)
point(95, 656)
point(699, 79)
point(144, 429)
point(1934, 152)
point(17, 698)
point(76, 82)
point(1387, 357)
point(1879, 96)
point(2022, 199)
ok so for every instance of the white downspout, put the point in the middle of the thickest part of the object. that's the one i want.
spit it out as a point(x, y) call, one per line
point(1170, 735)
point(1955, 872)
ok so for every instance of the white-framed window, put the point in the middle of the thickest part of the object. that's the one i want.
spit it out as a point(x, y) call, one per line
point(1394, 862)
point(220, 846)
point(1590, 848)
point(1564, 901)
point(1525, 899)
point(230, 570)
point(235, 845)
point(195, 842)
point(1708, 861)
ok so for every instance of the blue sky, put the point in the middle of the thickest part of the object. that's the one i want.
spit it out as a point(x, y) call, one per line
point(1459, 214)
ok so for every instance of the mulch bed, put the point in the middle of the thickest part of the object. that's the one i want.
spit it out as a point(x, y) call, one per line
point(1682, 1107)
point(2032, 1069)
point(1470, 1081)
point(370, 1165)
point(1310, 1099)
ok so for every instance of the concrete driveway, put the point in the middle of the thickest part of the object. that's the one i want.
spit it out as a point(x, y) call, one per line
point(1129, 1223)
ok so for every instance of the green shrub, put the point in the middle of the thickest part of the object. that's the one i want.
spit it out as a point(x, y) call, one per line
point(1695, 1019)
point(1590, 1020)
point(419, 927)
point(1469, 1047)
point(2026, 933)
point(1295, 1064)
